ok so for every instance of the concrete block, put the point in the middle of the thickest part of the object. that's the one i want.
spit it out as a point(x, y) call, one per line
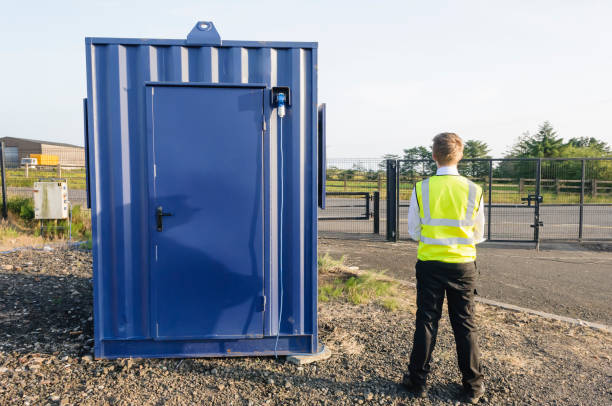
point(303, 359)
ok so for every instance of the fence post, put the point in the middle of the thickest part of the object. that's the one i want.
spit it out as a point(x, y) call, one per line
point(490, 199)
point(581, 219)
point(538, 187)
point(377, 212)
point(521, 185)
point(27, 172)
point(59, 170)
point(3, 176)
point(379, 184)
point(345, 184)
point(594, 187)
point(392, 200)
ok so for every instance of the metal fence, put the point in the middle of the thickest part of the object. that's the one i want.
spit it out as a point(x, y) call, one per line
point(525, 199)
point(355, 197)
point(23, 167)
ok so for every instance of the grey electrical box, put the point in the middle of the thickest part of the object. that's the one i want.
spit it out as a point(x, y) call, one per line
point(50, 200)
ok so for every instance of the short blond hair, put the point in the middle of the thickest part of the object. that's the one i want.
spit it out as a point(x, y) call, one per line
point(447, 148)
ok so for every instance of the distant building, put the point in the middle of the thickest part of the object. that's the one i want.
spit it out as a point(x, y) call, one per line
point(18, 148)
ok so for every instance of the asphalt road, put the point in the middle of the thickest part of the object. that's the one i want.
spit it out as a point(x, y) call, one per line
point(507, 222)
point(563, 279)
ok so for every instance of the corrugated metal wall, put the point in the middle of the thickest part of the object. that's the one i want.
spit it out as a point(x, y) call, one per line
point(117, 71)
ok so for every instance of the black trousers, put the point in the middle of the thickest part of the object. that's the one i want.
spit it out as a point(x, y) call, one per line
point(458, 281)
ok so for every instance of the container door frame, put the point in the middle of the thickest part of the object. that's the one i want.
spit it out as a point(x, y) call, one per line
point(265, 289)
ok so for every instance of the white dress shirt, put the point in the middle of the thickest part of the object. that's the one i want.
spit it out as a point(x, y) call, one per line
point(414, 217)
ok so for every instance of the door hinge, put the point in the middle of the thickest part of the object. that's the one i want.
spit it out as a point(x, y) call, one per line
point(263, 303)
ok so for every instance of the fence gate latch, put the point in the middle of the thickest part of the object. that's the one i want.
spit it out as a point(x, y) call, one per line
point(530, 198)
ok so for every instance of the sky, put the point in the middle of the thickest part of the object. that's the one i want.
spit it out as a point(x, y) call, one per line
point(393, 73)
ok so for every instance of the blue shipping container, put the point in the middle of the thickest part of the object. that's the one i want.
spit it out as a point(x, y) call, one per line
point(204, 200)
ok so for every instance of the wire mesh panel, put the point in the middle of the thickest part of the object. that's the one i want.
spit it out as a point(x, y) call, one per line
point(510, 192)
point(510, 215)
point(346, 206)
point(560, 187)
point(597, 210)
point(351, 186)
point(510, 181)
point(24, 166)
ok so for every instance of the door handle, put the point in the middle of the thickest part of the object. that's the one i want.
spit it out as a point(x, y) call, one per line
point(160, 215)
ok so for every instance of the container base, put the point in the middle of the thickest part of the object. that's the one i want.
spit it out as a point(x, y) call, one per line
point(242, 347)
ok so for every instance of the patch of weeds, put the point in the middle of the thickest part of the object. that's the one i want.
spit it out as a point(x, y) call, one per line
point(86, 245)
point(327, 264)
point(364, 288)
point(6, 231)
point(391, 304)
point(22, 207)
point(361, 289)
point(328, 292)
point(81, 223)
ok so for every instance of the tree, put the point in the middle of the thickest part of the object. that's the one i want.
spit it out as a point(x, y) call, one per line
point(409, 167)
point(383, 164)
point(544, 144)
point(590, 143)
point(474, 149)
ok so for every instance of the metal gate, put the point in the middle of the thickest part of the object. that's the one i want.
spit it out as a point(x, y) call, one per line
point(525, 199)
point(346, 206)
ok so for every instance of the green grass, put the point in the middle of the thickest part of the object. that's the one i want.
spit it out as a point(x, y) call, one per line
point(327, 264)
point(6, 232)
point(360, 289)
point(16, 177)
point(391, 304)
point(23, 209)
point(502, 193)
point(364, 288)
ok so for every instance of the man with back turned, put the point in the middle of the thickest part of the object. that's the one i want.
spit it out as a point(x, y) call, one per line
point(446, 217)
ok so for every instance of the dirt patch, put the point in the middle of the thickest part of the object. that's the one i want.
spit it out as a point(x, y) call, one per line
point(46, 337)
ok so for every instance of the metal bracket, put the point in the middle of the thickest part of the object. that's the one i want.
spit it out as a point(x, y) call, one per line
point(204, 33)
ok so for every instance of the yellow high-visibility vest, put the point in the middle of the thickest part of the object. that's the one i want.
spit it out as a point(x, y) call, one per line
point(448, 206)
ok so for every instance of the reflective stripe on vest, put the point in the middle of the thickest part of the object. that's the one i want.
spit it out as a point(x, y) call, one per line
point(468, 221)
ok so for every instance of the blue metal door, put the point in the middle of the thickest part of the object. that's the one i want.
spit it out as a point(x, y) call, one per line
point(206, 210)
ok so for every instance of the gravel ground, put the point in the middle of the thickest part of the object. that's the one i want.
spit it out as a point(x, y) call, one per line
point(46, 337)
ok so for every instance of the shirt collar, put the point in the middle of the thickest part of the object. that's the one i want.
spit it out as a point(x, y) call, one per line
point(447, 170)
